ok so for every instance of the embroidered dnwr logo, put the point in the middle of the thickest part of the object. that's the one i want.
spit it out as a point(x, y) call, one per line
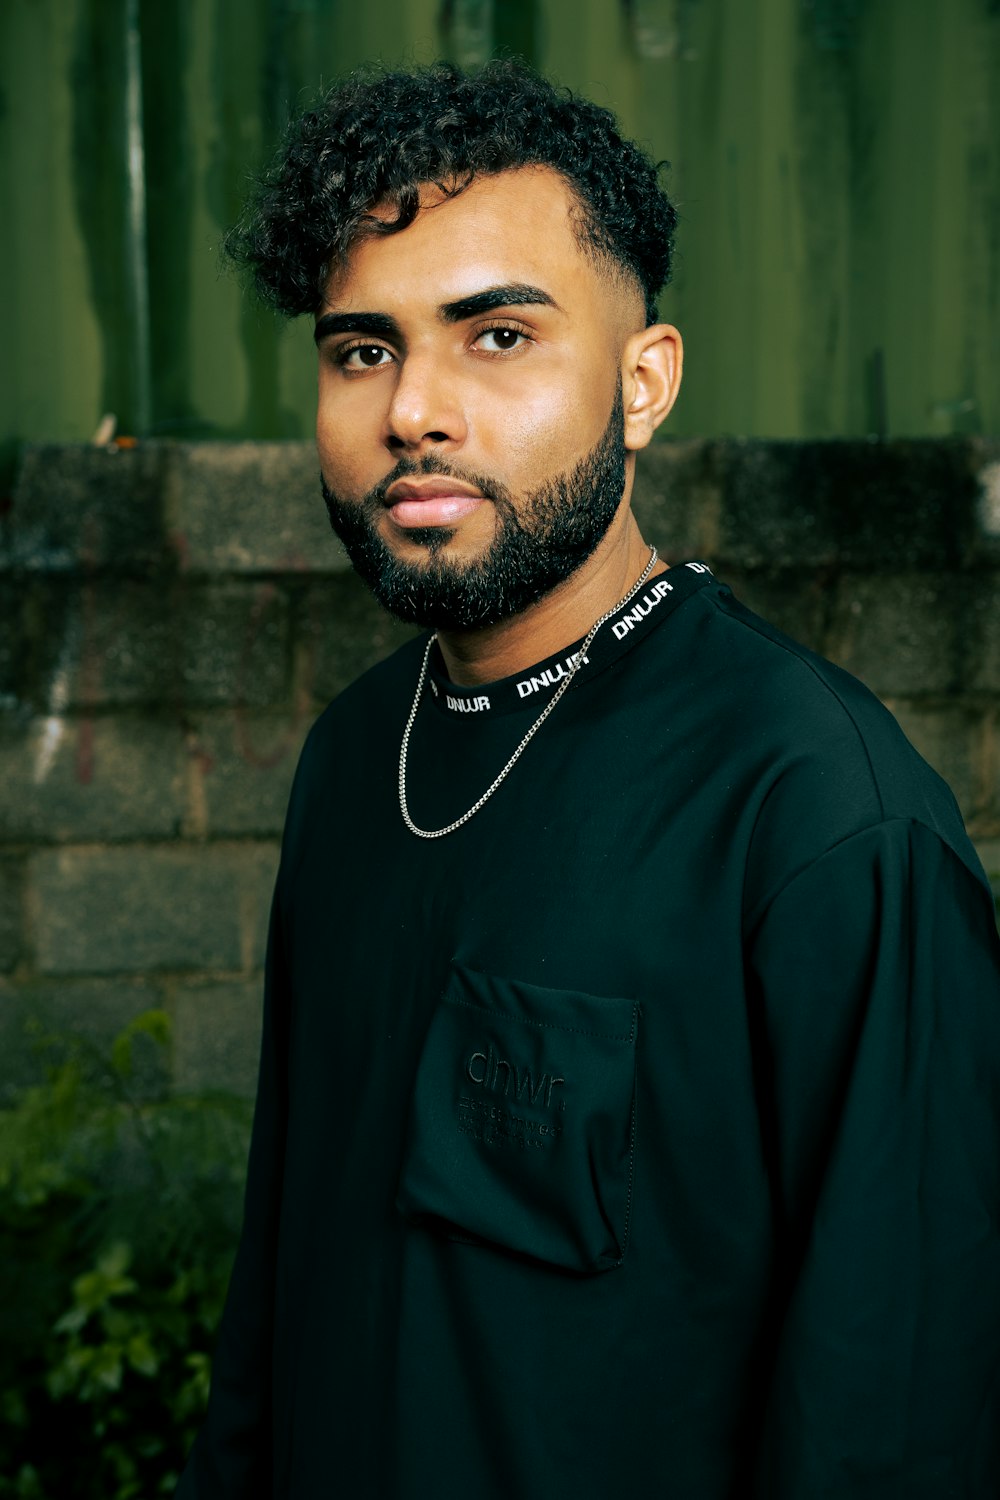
point(521, 1134)
point(491, 1072)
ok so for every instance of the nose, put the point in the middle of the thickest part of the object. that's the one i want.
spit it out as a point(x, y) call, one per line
point(425, 410)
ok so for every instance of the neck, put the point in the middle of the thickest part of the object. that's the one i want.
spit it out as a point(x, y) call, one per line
point(555, 622)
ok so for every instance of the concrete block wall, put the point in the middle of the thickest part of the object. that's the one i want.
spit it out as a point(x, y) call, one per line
point(174, 616)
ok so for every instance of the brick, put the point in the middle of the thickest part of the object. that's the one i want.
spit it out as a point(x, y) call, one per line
point(251, 508)
point(343, 632)
point(41, 1019)
point(242, 770)
point(11, 916)
point(135, 910)
point(897, 633)
point(956, 739)
point(76, 508)
point(64, 779)
point(216, 1041)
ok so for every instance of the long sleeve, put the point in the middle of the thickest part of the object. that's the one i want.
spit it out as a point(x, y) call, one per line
point(231, 1458)
point(875, 982)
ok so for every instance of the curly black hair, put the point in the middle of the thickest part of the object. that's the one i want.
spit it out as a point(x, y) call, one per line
point(375, 137)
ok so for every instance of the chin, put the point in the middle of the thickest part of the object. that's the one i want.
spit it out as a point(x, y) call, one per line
point(427, 540)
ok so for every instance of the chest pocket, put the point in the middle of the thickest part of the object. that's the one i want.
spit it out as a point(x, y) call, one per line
point(522, 1124)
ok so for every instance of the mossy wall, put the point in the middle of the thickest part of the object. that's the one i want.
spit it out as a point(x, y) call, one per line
point(178, 615)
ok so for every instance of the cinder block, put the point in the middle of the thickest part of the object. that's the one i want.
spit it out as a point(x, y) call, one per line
point(64, 779)
point(40, 1020)
point(82, 509)
point(217, 1036)
point(102, 642)
point(897, 633)
point(955, 740)
point(257, 892)
point(171, 643)
point(857, 504)
point(251, 508)
point(342, 632)
point(242, 764)
point(135, 910)
point(11, 634)
point(235, 645)
point(985, 457)
point(11, 915)
point(978, 614)
point(678, 497)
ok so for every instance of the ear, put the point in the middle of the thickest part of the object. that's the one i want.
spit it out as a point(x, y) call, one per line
point(652, 361)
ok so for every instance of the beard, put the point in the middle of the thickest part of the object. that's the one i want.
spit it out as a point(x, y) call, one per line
point(538, 542)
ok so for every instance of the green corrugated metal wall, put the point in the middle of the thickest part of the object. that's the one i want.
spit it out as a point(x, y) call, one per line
point(837, 164)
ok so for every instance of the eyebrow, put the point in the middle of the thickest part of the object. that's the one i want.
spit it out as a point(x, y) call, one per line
point(381, 325)
point(513, 294)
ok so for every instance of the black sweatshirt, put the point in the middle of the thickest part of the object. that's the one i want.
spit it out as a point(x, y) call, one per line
point(640, 1138)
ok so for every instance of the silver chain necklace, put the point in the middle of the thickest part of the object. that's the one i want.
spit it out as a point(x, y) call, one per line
point(439, 833)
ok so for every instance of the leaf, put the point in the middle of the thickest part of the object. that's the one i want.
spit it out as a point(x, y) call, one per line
point(115, 1260)
point(106, 1369)
point(14, 1408)
point(119, 1212)
point(95, 1288)
point(141, 1355)
point(73, 1320)
point(152, 1023)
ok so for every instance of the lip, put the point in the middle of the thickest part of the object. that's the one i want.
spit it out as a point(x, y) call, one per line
point(434, 487)
point(434, 501)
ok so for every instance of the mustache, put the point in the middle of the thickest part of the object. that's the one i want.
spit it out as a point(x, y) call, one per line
point(407, 468)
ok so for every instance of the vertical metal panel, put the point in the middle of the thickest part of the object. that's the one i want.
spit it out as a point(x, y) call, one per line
point(837, 165)
point(137, 253)
point(51, 365)
point(469, 31)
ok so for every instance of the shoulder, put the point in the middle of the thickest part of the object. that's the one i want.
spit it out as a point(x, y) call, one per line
point(782, 684)
point(804, 708)
point(831, 759)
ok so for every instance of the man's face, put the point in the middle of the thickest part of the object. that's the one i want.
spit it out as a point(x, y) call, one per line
point(470, 417)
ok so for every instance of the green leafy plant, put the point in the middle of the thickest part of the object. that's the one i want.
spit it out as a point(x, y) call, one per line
point(119, 1212)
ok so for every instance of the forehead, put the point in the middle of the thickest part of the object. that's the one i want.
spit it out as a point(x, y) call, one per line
point(517, 226)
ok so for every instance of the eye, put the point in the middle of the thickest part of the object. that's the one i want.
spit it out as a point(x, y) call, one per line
point(363, 356)
point(501, 340)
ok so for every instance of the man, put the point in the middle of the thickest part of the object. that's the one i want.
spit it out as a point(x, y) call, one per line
point(627, 1120)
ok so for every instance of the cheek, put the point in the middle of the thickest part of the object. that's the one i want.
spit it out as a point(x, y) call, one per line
point(340, 472)
point(545, 430)
point(341, 447)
